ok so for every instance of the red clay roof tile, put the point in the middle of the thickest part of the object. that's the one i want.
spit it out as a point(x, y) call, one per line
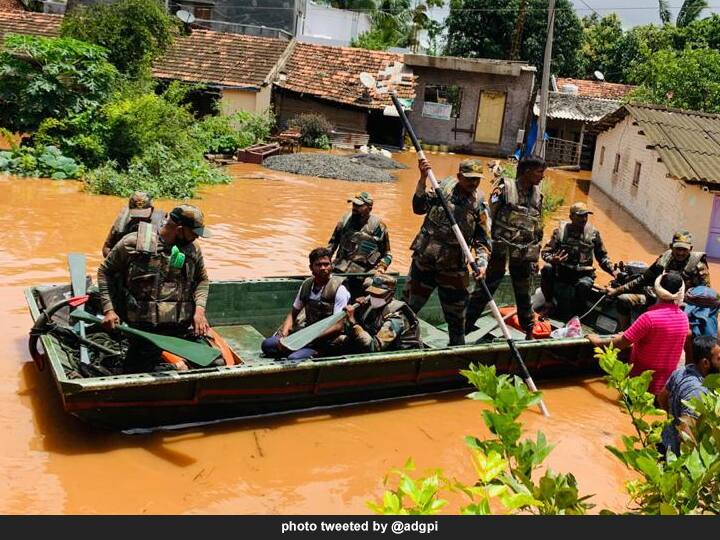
point(29, 23)
point(597, 89)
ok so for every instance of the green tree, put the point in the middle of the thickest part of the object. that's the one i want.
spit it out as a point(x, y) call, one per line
point(484, 29)
point(133, 31)
point(689, 12)
point(688, 79)
point(600, 47)
point(50, 77)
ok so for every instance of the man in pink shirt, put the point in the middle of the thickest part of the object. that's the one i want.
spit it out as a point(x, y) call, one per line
point(658, 336)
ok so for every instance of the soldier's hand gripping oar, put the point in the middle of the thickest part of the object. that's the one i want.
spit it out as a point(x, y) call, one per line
point(387, 78)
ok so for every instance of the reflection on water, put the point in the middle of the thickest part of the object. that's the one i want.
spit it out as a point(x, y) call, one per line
point(265, 223)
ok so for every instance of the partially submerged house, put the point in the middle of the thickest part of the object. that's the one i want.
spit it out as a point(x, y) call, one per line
point(663, 166)
point(471, 105)
point(326, 80)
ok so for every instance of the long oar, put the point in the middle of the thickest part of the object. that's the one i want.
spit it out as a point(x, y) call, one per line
point(307, 335)
point(77, 265)
point(369, 80)
point(197, 353)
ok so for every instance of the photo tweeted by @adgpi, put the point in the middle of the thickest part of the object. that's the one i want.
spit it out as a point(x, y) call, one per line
point(290, 527)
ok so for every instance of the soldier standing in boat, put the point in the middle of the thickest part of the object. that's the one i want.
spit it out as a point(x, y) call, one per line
point(516, 214)
point(569, 255)
point(139, 209)
point(319, 297)
point(162, 274)
point(381, 323)
point(691, 265)
point(438, 260)
point(362, 242)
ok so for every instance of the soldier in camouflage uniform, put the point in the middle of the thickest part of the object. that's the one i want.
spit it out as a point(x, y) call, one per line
point(691, 265)
point(139, 209)
point(516, 212)
point(381, 323)
point(568, 257)
point(163, 278)
point(362, 242)
point(438, 260)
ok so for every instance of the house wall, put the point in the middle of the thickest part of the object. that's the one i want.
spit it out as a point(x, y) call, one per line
point(434, 131)
point(336, 24)
point(661, 203)
point(234, 100)
point(288, 104)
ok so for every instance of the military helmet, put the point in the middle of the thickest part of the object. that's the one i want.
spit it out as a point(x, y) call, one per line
point(361, 198)
point(190, 216)
point(382, 284)
point(682, 239)
point(579, 209)
point(471, 168)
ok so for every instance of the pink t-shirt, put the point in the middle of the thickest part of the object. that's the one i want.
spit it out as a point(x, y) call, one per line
point(658, 337)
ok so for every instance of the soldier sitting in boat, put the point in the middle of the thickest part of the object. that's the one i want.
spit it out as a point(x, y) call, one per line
point(362, 242)
point(319, 297)
point(381, 323)
point(139, 209)
point(568, 258)
point(692, 266)
point(164, 283)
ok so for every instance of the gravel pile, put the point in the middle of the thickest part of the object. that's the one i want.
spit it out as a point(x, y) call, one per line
point(378, 161)
point(327, 166)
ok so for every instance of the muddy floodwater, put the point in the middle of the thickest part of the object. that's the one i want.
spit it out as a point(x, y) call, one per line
point(265, 222)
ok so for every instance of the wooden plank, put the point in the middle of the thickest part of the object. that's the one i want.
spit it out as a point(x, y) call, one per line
point(433, 337)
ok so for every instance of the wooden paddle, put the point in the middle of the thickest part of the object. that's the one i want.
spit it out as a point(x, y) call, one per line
point(301, 338)
point(77, 265)
point(197, 353)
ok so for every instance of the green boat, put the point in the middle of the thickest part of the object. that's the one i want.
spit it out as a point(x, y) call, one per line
point(243, 313)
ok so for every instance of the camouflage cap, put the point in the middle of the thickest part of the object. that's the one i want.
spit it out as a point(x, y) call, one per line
point(682, 239)
point(190, 216)
point(471, 168)
point(579, 209)
point(382, 284)
point(140, 205)
point(361, 198)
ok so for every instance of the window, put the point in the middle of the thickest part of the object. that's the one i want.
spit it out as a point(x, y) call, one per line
point(442, 101)
point(203, 12)
point(616, 167)
point(602, 155)
point(636, 174)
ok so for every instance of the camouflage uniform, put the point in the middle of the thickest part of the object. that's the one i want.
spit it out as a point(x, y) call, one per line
point(390, 328)
point(516, 236)
point(438, 260)
point(360, 247)
point(157, 295)
point(639, 292)
point(139, 209)
point(576, 271)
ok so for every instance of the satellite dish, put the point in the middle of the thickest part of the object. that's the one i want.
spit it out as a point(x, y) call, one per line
point(367, 80)
point(185, 16)
point(599, 75)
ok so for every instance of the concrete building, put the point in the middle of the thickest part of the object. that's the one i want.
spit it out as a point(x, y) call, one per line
point(331, 25)
point(471, 105)
point(663, 166)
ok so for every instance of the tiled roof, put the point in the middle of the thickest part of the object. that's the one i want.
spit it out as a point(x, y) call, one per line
point(688, 142)
point(598, 89)
point(574, 107)
point(29, 23)
point(333, 73)
point(11, 5)
point(220, 58)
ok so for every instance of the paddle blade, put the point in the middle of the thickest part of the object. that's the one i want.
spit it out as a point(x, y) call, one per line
point(77, 265)
point(197, 353)
point(301, 338)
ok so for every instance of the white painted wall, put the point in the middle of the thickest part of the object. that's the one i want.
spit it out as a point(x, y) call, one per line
point(661, 203)
point(336, 24)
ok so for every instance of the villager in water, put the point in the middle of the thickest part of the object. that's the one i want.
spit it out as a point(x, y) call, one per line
point(139, 209)
point(692, 266)
point(319, 297)
point(685, 384)
point(163, 285)
point(568, 258)
point(362, 242)
point(438, 260)
point(381, 323)
point(658, 336)
point(515, 210)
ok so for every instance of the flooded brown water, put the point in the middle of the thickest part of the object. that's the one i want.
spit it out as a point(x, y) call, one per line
point(265, 223)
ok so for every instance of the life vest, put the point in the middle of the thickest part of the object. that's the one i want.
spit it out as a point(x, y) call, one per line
point(409, 339)
point(541, 328)
point(517, 224)
point(580, 249)
point(359, 247)
point(322, 307)
point(690, 272)
point(159, 293)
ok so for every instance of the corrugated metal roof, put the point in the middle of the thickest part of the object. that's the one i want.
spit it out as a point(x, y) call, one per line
point(574, 107)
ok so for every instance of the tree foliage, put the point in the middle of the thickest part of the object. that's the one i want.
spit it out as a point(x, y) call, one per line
point(133, 31)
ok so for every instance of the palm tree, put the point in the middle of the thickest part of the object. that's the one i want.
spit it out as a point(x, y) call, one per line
point(689, 12)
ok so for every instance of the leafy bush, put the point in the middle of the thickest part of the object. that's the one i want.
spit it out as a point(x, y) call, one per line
point(312, 126)
point(50, 77)
point(41, 161)
point(322, 142)
point(551, 201)
point(228, 133)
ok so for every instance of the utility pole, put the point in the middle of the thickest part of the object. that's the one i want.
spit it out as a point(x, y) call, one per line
point(539, 149)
